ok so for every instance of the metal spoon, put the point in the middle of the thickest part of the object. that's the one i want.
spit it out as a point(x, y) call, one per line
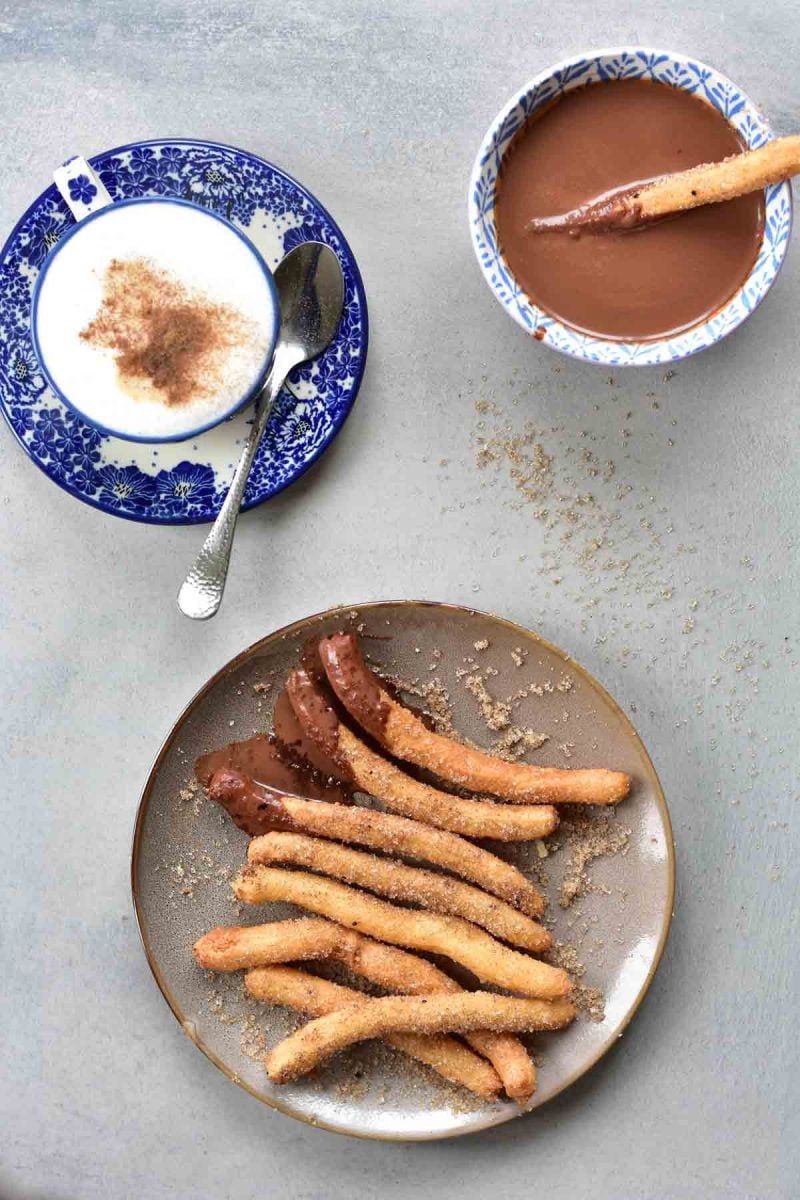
point(311, 294)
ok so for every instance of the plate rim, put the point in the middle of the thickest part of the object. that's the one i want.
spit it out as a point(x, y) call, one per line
point(51, 192)
point(280, 634)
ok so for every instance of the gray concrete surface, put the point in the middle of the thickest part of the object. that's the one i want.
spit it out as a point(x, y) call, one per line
point(379, 109)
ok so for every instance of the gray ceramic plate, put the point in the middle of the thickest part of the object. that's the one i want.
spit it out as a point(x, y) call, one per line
point(185, 851)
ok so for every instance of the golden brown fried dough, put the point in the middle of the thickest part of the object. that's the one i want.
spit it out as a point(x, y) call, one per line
point(391, 968)
point(710, 183)
point(304, 1050)
point(429, 932)
point(381, 831)
point(412, 798)
point(405, 736)
point(399, 791)
point(299, 990)
point(438, 893)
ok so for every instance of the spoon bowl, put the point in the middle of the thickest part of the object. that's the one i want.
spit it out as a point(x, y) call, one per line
point(310, 287)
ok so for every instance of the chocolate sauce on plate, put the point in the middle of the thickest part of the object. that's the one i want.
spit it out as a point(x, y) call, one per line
point(254, 807)
point(283, 768)
point(301, 757)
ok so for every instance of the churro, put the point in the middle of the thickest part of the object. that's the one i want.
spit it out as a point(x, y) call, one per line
point(304, 1050)
point(429, 932)
point(391, 968)
point(265, 809)
point(404, 735)
point(480, 915)
point(653, 199)
point(399, 791)
point(430, 890)
point(308, 993)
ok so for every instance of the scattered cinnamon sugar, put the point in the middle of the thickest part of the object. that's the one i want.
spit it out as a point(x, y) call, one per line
point(496, 713)
point(583, 510)
point(589, 835)
point(169, 340)
point(216, 1005)
point(355, 1083)
point(517, 741)
point(589, 1000)
point(514, 740)
point(529, 466)
point(191, 793)
point(435, 698)
point(595, 516)
point(251, 1039)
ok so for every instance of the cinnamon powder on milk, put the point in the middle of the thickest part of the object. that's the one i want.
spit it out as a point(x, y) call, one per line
point(170, 341)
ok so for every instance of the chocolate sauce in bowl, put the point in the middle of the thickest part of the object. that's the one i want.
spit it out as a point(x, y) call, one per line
point(642, 283)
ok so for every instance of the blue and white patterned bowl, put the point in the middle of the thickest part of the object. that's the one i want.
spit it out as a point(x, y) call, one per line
point(626, 63)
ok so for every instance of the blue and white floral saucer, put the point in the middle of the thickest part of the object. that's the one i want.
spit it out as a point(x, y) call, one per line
point(181, 482)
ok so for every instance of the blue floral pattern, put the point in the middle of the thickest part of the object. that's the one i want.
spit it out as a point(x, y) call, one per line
point(681, 72)
point(70, 448)
point(42, 231)
point(82, 189)
point(20, 368)
point(122, 486)
point(189, 485)
point(186, 482)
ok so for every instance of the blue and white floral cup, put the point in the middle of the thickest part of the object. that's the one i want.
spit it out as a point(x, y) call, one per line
point(591, 67)
point(86, 197)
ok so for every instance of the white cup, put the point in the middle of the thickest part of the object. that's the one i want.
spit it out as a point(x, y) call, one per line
point(182, 238)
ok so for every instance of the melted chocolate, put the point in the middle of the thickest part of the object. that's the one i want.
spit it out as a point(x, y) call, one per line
point(356, 686)
point(268, 761)
point(252, 779)
point(641, 283)
point(310, 659)
point(616, 209)
point(253, 807)
point(316, 715)
point(296, 744)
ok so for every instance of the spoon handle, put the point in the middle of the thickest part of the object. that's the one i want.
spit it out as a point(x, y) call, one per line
point(201, 592)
